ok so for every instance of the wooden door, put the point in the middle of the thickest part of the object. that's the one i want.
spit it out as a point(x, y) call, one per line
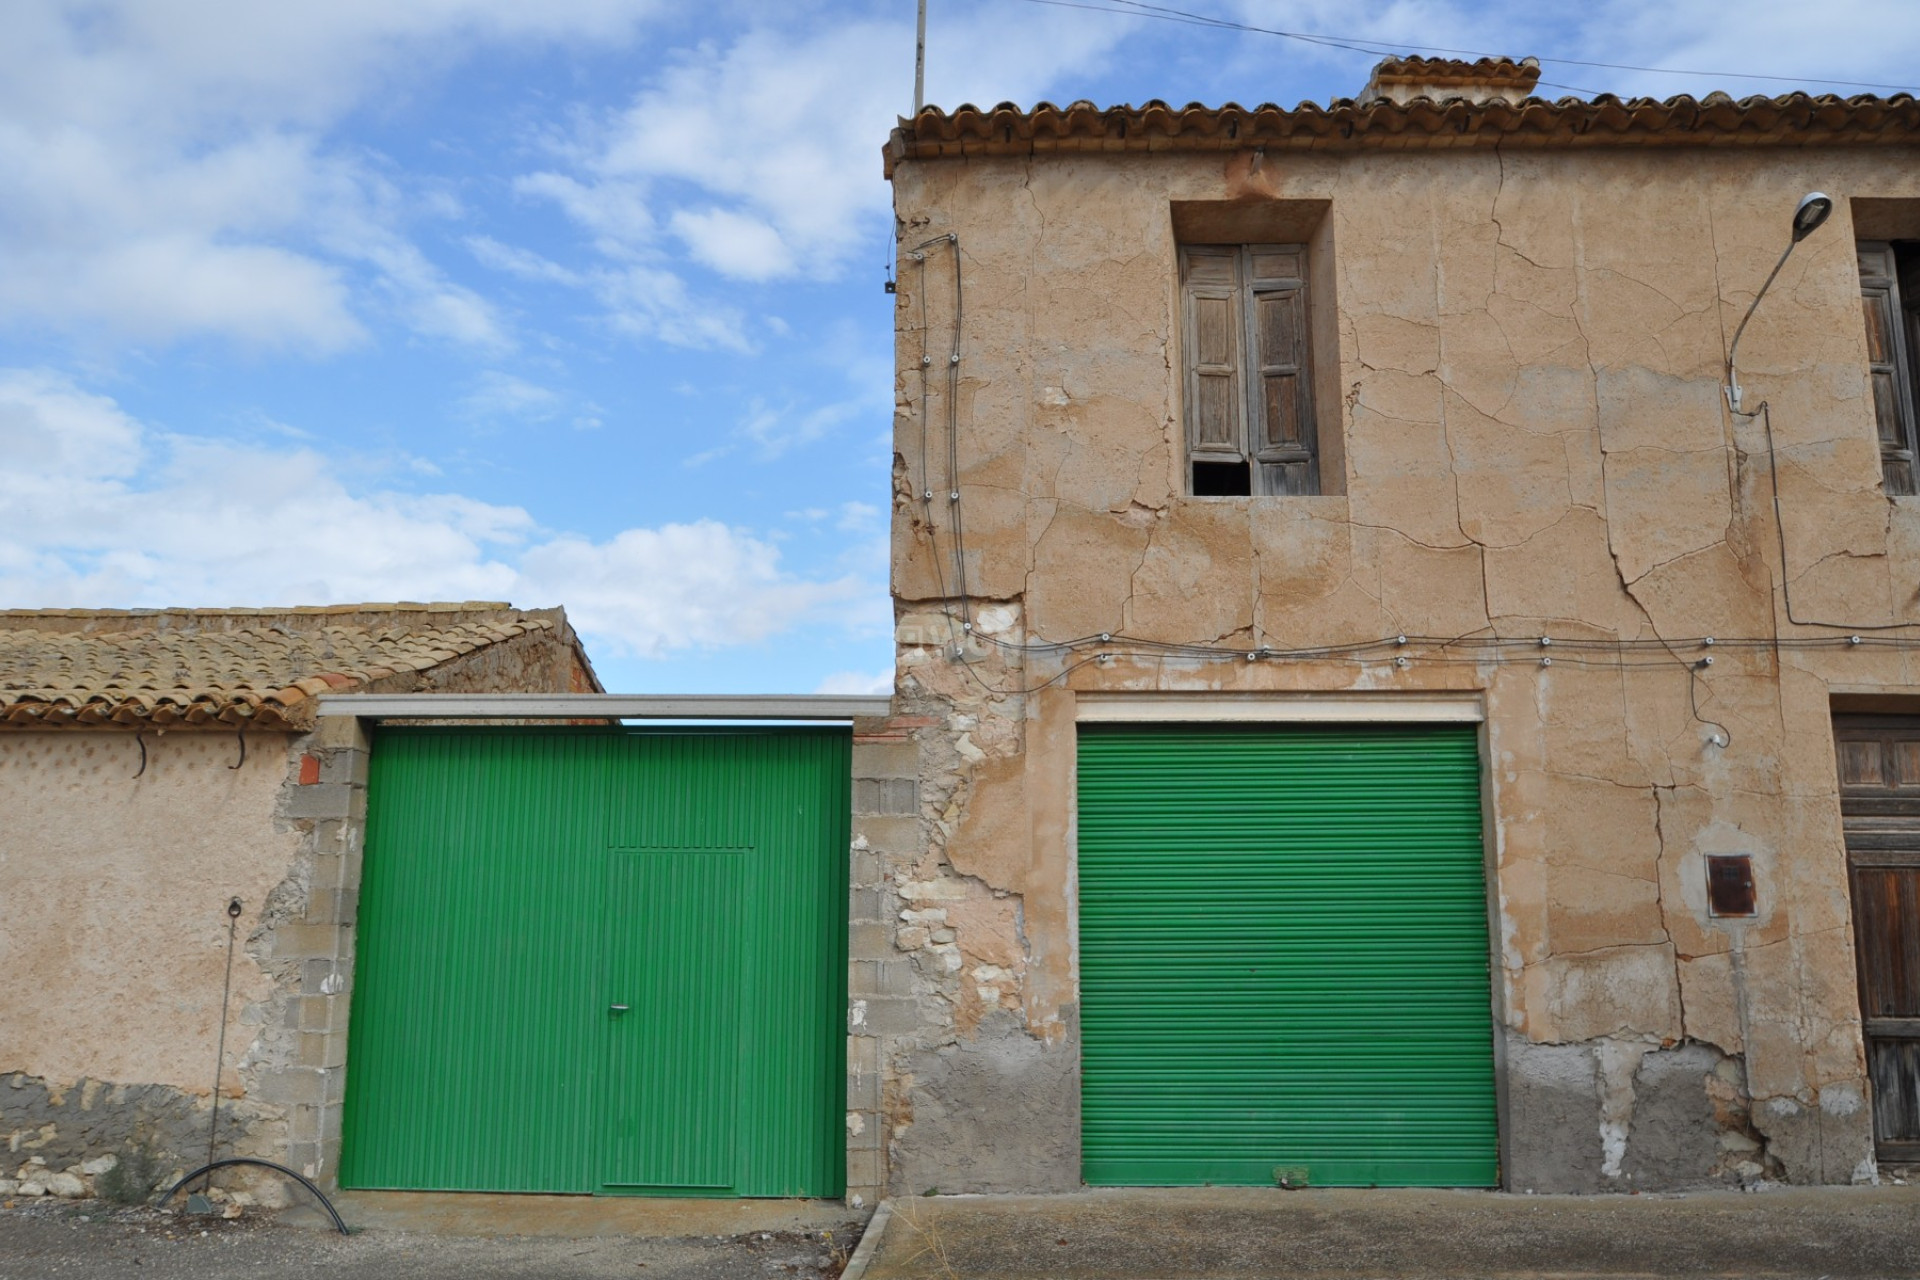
point(1880, 804)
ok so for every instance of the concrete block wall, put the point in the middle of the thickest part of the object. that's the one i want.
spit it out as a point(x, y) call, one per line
point(880, 1000)
point(328, 804)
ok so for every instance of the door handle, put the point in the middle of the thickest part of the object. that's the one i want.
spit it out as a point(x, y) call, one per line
point(617, 1008)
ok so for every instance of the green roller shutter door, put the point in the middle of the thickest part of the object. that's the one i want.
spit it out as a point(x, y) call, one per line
point(518, 884)
point(1284, 956)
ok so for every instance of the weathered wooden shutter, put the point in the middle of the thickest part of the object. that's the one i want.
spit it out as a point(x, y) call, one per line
point(1210, 299)
point(1281, 407)
point(1888, 364)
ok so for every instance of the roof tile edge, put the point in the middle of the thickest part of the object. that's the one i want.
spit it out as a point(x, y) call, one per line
point(1796, 119)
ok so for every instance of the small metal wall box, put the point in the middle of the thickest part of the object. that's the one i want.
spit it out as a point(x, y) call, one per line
point(1730, 889)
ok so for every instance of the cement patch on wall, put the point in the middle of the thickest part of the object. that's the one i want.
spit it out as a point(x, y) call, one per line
point(1553, 1117)
point(999, 1111)
point(1611, 1115)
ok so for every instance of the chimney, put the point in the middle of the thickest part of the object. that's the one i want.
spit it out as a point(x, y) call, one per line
point(1402, 80)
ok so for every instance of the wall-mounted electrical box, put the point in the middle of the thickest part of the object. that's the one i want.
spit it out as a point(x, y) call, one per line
point(1730, 889)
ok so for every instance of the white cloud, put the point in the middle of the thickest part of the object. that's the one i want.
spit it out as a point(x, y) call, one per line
point(758, 158)
point(52, 433)
point(708, 585)
point(857, 682)
point(734, 244)
point(502, 395)
point(859, 517)
point(523, 263)
point(1772, 38)
point(215, 523)
point(169, 173)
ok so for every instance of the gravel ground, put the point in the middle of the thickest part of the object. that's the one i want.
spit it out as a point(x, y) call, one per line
point(91, 1239)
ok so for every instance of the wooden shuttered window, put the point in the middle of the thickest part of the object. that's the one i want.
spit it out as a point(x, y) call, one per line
point(1248, 373)
point(1892, 329)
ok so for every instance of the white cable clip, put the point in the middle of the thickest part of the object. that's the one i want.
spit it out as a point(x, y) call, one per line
point(1853, 639)
point(1546, 662)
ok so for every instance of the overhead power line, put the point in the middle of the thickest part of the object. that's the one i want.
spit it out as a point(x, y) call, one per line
point(1376, 48)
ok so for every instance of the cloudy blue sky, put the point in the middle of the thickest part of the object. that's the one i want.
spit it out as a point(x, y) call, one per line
point(578, 301)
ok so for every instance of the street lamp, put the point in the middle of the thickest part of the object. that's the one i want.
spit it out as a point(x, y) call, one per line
point(1807, 217)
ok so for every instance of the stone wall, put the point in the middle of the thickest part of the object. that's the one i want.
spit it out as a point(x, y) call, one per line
point(1529, 352)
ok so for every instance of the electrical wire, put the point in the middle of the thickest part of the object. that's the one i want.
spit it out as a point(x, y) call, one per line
point(1360, 44)
point(964, 624)
point(1476, 648)
point(1765, 414)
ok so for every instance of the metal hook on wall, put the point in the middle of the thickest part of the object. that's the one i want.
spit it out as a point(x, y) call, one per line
point(140, 740)
point(243, 751)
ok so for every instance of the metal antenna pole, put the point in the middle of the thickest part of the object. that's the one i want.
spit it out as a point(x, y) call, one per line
point(920, 62)
point(220, 1054)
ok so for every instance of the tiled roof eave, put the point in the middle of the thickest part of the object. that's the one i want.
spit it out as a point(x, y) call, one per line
point(140, 713)
point(1797, 120)
point(163, 677)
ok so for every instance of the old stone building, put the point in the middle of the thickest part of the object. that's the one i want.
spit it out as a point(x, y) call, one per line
point(1373, 700)
point(155, 766)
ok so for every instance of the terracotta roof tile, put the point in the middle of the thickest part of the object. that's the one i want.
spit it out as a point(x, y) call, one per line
point(1796, 119)
point(226, 666)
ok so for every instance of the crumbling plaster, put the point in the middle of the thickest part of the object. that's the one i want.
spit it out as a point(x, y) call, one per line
point(1530, 352)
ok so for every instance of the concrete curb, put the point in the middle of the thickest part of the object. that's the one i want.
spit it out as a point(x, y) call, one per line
point(869, 1242)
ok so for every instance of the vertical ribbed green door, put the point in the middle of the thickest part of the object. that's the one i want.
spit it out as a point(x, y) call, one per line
point(518, 884)
point(1284, 960)
point(674, 1016)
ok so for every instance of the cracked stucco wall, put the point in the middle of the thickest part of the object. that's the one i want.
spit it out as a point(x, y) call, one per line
point(1529, 355)
point(113, 894)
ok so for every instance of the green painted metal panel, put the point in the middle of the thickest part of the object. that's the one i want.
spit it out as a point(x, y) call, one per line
point(674, 1018)
point(1284, 960)
point(518, 883)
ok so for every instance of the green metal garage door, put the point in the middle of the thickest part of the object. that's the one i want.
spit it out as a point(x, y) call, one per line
point(602, 961)
point(1284, 956)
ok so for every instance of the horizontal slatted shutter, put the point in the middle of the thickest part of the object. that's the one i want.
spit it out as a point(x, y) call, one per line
point(1284, 956)
point(1888, 364)
point(1281, 410)
point(1210, 300)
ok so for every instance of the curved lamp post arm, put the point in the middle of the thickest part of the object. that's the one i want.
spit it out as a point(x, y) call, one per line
point(1733, 377)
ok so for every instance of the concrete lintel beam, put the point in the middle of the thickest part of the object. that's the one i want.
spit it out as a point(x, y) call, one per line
point(601, 706)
